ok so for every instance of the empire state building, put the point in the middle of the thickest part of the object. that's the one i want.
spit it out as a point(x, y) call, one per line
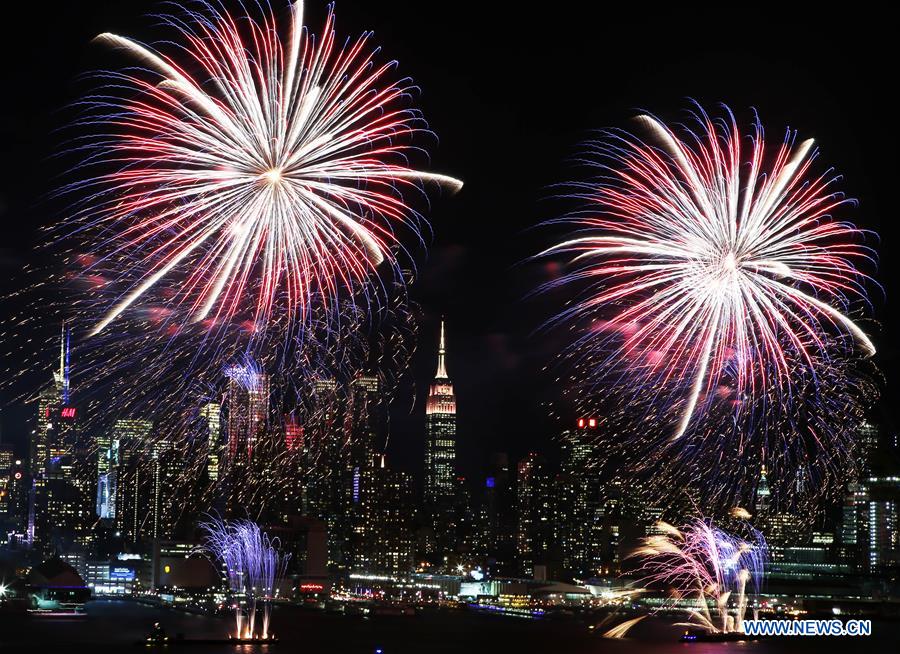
point(440, 438)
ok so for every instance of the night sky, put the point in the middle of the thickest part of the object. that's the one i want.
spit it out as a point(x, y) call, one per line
point(511, 92)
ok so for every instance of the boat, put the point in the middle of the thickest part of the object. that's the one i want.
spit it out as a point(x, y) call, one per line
point(158, 638)
point(178, 641)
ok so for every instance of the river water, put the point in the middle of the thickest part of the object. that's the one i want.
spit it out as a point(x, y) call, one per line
point(115, 626)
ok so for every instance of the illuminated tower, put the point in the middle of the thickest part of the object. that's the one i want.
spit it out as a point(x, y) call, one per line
point(578, 524)
point(382, 528)
point(6, 481)
point(13, 495)
point(211, 414)
point(243, 466)
point(534, 509)
point(49, 404)
point(247, 407)
point(61, 501)
point(440, 449)
point(762, 494)
point(143, 470)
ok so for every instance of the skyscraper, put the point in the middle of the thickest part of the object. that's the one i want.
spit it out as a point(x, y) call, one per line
point(783, 529)
point(293, 434)
point(143, 470)
point(534, 506)
point(322, 447)
point(382, 520)
point(338, 450)
point(578, 521)
point(242, 469)
point(499, 548)
point(211, 414)
point(7, 460)
point(247, 407)
point(870, 533)
point(440, 450)
point(867, 438)
point(61, 501)
point(13, 496)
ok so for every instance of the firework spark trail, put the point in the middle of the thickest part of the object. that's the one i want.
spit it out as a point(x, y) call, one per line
point(254, 568)
point(621, 630)
point(259, 172)
point(176, 160)
point(223, 545)
point(710, 263)
point(712, 269)
point(701, 562)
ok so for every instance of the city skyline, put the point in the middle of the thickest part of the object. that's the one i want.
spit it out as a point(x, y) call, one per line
point(316, 312)
point(482, 287)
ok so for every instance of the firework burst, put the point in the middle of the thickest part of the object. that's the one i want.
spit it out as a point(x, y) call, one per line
point(719, 285)
point(705, 565)
point(244, 192)
point(250, 170)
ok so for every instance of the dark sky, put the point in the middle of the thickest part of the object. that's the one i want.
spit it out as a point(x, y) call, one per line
point(511, 90)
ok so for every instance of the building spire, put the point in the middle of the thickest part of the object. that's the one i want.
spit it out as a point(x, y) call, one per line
point(442, 351)
point(61, 377)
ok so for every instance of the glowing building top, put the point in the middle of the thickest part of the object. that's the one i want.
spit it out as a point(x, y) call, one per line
point(442, 353)
point(440, 452)
point(440, 395)
point(61, 377)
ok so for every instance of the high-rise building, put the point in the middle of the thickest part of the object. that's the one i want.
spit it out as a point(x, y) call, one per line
point(105, 507)
point(499, 548)
point(48, 405)
point(867, 440)
point(884, 525)
point(144, 469)
point(242, 470)
point(762, 494)
point(367, 418)
point(211, 415)
point(293, 434)
point(534, 508)
point(870, 533)
point(340, 444)
point(7, 466)
point(383, 537)
point(322, 448)
point(247, 408)
point(62, 497)
point(578, 501)
point(327, 465)
point(14, 499)
point(440, 451)
point(783, 529)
